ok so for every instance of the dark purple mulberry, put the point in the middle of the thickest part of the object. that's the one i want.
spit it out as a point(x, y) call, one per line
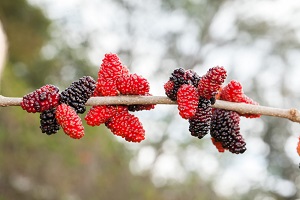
point(77, 94)
point(225, 129)
point(48, 122)
point(176, 80)
point(200, 123)
point(134, 108)
point(192, 77)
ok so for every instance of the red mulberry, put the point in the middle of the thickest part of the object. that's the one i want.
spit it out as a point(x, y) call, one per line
point(200, 123)
point(42, 99)
point(233, 92)
point(100, 114)
point(218, 145)
point(127, 126)
point(133, 84)
point(225, 129)
point(187, 99)
point(78, 93)
point(70, 122)
point(211, 82)
point(48, 122)
point(111, 69)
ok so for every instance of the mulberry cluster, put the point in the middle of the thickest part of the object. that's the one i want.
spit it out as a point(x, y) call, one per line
point(77, 94)
point(182, 86)
point(115, 79)
point(195, 95)
point(60, 110)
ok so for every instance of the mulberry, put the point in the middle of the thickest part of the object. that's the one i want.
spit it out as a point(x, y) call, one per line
point(100, 114)
point(187, 99)
point(134, 108)
point(48, 122)
point(77, 94)
point(170, 90)
point(233, 92)
point(133, 84)
point(127, 126)
point(211, 82)
point(225, 129)
point(111, 69)
point(218, 145)
point(200, 123)
point(42, 99)
point(192, 77)
point(178, 79)
point(70, 122)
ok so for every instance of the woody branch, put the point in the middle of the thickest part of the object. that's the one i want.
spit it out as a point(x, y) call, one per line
point(242, 108)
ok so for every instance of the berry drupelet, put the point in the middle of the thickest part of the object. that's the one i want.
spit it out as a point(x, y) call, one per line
point(77, 94)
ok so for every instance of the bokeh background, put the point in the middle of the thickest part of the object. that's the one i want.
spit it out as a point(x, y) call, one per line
point(57, 42)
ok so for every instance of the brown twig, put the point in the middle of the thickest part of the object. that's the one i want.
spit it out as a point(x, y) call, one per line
point(291, 114)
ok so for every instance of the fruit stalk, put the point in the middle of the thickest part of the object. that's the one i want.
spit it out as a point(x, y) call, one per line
point(292, 114)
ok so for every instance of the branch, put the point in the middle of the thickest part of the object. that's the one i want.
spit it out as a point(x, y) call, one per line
point(292, 114)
